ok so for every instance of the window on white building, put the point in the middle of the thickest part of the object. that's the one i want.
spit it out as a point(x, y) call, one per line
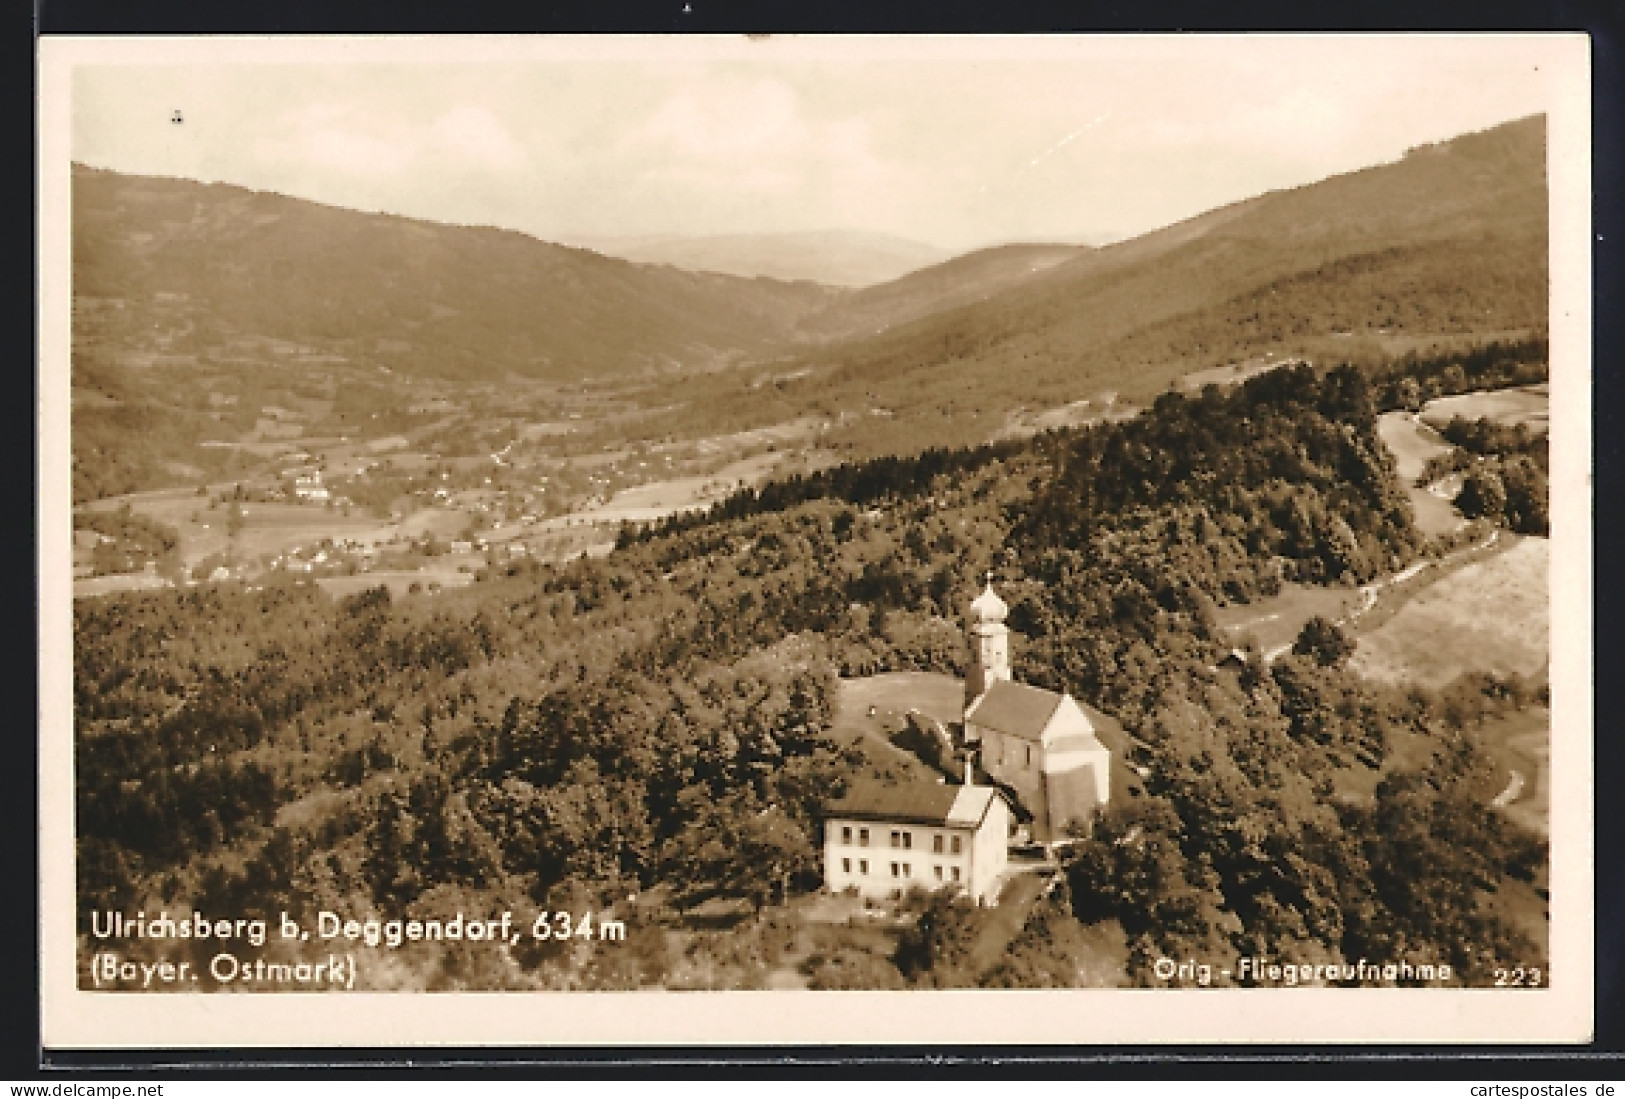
point(897, 839)
point(936, 845)
point(936, 872)
point(955, 845)
point(908, 871)
point(846, 835)
point(956, 873)
point(908, 840)
point(863, 837)
point(863, 866)
point(846, 866)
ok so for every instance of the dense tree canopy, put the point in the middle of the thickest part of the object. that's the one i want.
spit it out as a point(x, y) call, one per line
point(656, 725)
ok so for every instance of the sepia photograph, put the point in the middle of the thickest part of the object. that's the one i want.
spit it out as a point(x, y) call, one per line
point(873, 539)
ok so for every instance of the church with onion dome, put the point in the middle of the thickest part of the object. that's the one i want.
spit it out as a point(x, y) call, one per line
point(1049, 775)
point(1040, 745)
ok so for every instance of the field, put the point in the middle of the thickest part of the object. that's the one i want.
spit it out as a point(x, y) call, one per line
point(1413, 443)
point(657, 499)
point(1491, 616)
point(1274, 623)
point(267, 528)
point(1528, 405)
point(1020, 423)
point(1407, 751)
point(1234, 373)
point(1520, 744)
point(398, 581)
point(890, 696)
point(105, 585)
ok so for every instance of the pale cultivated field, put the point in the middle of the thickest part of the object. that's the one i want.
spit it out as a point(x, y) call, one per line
point(660, 498)
point(1103, 407)
point(1411, 443)
point(1520, 743)
point(103, 585)
point(1491, 616)
point(1233, 374)
point(267, 528)
point(1528, 406)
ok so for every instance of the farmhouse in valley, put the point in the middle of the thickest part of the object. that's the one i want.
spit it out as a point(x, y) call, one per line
point(1040, 744)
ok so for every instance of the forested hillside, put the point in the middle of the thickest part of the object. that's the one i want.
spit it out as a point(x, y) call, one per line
point(1444, 247)
point(169, 269)
point(651, 730)
point(942, 286)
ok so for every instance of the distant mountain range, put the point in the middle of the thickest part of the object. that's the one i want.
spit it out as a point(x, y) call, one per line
point(176, 269)
point(842, 257)
point(973, 277)
point(1448, 244)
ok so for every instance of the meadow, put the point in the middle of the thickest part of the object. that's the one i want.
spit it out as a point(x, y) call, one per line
point(1490, 616)
point(1508, 407)
point(1273, 623)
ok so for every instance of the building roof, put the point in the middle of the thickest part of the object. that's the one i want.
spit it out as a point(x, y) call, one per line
point(1015, 709)
point(942, 804)
point(971, 806)
point(1077, 742)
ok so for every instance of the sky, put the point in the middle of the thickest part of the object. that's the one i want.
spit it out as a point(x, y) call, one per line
point(955, 143)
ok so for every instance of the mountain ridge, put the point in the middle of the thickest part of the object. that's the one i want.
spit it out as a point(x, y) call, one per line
point(464, 300)
point(1448, 241)
point(845, 258)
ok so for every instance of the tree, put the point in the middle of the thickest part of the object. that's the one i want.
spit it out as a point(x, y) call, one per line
point(1409, 394)
point(1324, 640)
point(1483, 495)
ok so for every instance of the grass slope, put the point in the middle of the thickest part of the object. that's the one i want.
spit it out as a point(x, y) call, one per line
point(1490, 616)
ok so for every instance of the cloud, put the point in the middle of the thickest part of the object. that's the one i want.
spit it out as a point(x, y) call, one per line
point(733, 135)
point(355, 143)
point(477, 138)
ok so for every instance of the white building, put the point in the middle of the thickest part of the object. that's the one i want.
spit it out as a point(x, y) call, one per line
point(1041, 744)
point(882, 840)
point(308, 486)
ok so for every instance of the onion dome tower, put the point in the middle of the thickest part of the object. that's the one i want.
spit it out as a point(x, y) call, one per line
point(989, 643)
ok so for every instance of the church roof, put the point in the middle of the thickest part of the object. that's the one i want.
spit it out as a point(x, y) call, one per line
point(1015, 709)
point(943, 804)
point(1078, 742)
